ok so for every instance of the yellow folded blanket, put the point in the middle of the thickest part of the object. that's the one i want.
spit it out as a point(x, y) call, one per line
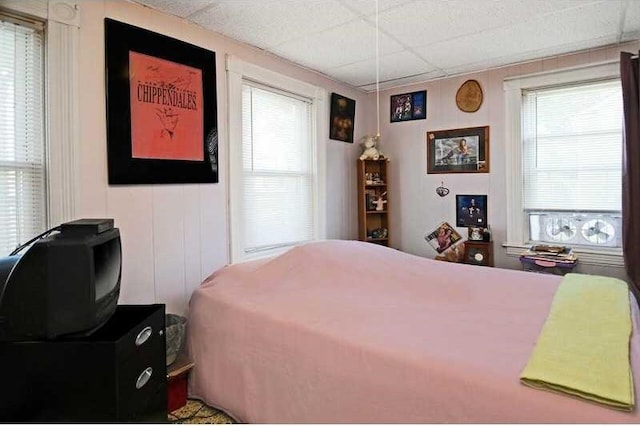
point(583, 348)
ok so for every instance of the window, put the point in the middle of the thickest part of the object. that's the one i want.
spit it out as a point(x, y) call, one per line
point(277, 169)
point(572, 159)
point(565, 160)
point(22, 156)
point(276, 165)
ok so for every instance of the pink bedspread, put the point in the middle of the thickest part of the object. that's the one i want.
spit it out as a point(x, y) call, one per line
point(343, 331)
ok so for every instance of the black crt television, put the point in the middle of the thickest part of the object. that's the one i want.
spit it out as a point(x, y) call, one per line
point(66, 283)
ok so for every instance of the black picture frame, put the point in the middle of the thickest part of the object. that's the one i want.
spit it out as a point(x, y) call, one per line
point(343, 116)
point(122, 42)
point(471, 211)
point(458, 150)
point(408, 106)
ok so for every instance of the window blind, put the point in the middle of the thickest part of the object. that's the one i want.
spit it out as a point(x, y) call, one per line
point(572, 147)
point(278, 172)
point(22, 157)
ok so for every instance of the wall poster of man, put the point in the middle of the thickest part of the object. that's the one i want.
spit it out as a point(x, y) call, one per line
point(443, 237)
point(343, 111)
point(458, 150)
point(471, 210)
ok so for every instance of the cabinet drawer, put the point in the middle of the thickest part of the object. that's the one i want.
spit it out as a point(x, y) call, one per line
point(138, 382)
point(136, 331)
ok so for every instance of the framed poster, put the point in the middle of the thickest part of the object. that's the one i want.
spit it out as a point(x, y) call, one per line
point(458, 150)
point(471, 210)
point(161, 108)
point(343, 112)
point(409, 106)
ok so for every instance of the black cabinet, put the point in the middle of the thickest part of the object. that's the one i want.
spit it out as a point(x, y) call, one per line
point(117, 374)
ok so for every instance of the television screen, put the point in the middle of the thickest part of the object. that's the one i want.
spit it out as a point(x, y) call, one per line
point(66, 283)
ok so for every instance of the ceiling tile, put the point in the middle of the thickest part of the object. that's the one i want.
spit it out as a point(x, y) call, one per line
point(428, 21)
point(368, 7)
point(392, 67)
point(339, 46)
point(421, 78)
point(560, 32)
point(631, 28)
point(178, 8)
point(267, 24)
point(496, 62)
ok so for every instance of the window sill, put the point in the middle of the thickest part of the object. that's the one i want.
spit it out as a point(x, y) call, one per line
point(603, 257)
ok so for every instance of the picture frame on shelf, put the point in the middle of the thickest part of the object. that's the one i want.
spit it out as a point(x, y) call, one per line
point(476, 233)
point(342, 121)
point(408, 106)
point(471, 211)
point(162, 123)
point(458, 150)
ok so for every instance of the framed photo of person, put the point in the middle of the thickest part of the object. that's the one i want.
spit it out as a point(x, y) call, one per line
point(409, 106)
point(458, 150)
point(475, 233)
point(161, 108)
point(342, 122)
point(471, 211)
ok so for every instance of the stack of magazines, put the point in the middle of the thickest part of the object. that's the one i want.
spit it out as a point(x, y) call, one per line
point(559, 254)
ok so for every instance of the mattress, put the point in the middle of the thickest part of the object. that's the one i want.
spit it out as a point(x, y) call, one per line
point(352, 332)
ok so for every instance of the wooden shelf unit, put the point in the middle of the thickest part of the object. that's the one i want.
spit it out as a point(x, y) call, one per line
point(369, 219)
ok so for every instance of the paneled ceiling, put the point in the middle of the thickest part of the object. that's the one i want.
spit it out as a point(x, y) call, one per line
point(419, 40)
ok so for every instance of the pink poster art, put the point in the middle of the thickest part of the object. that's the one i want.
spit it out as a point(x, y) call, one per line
point(166, 109)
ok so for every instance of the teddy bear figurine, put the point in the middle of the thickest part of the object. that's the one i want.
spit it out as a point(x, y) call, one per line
point(370, 151)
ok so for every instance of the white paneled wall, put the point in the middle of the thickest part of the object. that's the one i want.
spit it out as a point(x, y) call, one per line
point(174, 236)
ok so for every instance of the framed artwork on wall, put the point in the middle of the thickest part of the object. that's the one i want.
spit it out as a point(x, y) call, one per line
point(469, 96)
point(458, 150)
point(343, 112)
point(471, 210)
point(161, 108)
point(409, 106)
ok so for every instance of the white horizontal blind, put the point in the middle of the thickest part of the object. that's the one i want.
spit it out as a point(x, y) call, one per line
point(22, 158)
point(277, 160)
point(572, 147)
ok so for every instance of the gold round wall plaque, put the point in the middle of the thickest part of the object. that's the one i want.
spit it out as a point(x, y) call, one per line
point(469, 96)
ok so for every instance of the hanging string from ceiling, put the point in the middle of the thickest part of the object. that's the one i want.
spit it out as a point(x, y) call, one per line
point(377, 75)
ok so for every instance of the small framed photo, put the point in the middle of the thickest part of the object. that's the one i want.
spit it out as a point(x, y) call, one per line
point(343, 112)
point(476, 233)
point(471, 211)
point(458, 150)
point(409, 106)
point(443, 237)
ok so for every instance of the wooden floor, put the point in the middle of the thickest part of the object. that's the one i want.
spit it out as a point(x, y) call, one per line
point(197, 412)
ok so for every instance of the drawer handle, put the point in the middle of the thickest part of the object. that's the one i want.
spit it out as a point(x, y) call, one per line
point(144, 377)
point(143, 336)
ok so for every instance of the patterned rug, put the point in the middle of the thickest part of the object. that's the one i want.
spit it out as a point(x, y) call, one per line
point(198, 412)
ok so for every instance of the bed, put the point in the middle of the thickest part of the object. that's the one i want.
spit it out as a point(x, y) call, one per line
point(351, 332)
